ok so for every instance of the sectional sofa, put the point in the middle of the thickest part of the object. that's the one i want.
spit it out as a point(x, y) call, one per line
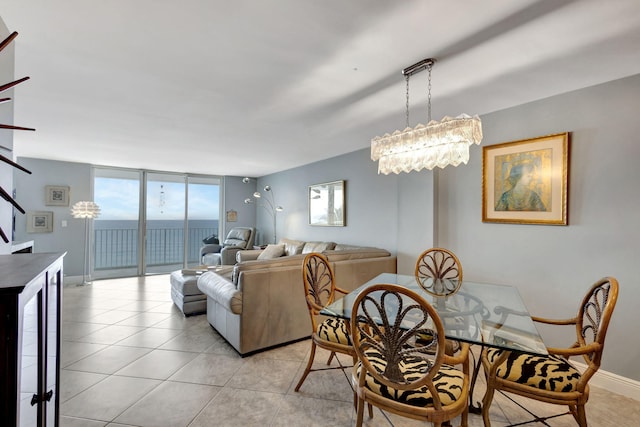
point(259, 303)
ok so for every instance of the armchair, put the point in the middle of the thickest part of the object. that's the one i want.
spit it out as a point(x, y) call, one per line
point(238, 239)
point(553, 379)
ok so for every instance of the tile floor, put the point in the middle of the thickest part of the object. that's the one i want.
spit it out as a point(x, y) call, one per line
point(129, 358)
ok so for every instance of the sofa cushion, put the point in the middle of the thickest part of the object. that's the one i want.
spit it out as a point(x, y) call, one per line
point(343, 247)
point(266, 264)
point(272, 251)
point(248, 255)
point(292, 247)
point(310, 247)
point(349, 254)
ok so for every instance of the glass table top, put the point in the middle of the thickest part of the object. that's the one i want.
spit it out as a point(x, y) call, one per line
point(477, 313)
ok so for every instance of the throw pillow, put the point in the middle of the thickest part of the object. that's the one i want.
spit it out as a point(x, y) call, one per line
point(272, 251)
point(292, 247)
point(317, 247)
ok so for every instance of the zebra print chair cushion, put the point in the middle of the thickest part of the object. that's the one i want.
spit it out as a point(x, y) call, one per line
point(334, 330)
point(551, 373)
point(448, 381)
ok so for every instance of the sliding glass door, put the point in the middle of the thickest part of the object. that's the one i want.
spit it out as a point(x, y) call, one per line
point(203, 214)
point(152, 222)
point(166, 198)
point(117, 231)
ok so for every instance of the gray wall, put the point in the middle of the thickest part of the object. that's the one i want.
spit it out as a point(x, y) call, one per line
point(553, 266)
point(235, 191)
point(31, 195)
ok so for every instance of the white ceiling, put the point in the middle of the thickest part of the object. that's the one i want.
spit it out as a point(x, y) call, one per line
point(254, 87)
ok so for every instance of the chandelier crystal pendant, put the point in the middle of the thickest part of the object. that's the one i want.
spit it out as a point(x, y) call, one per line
point(439, 143)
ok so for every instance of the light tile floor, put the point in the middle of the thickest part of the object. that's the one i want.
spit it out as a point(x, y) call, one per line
point(130, 358)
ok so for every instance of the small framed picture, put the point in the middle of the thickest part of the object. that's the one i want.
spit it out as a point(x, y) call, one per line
point(232, 216)
point(39, 222)
point(56, 195)
point(526, 182)
point(326, 204)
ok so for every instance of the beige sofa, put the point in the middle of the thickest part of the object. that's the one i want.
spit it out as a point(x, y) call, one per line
point(260, 303)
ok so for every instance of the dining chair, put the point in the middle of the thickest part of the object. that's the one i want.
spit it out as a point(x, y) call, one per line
point(396, 373)
point(553, 379)
point(439, 272)
point(330, 333)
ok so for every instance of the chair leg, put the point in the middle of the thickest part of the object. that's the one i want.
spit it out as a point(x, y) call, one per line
point(331, 356)
point(580, 416)
point(486, 403)
point(360, 413)
point(464, 421)
point(312, 355)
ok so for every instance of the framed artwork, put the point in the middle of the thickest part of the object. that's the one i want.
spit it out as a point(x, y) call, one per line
point(56, 195)
point(326, 204)
point(526, 182)
point(232, 216)
point(39, 222)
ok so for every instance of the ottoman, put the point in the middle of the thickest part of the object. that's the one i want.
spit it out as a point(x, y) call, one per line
point(185, 293)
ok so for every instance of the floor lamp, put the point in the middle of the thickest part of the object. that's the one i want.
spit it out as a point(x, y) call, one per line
point(88, 211)
point(269, 205)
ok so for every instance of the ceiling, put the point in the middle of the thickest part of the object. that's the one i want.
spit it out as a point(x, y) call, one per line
point(254, 87)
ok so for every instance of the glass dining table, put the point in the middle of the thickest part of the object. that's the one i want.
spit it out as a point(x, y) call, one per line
point(477, 313)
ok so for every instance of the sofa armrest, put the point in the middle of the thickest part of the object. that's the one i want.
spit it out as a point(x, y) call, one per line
point(248, 255)
point(228, 254)
point(221, 290)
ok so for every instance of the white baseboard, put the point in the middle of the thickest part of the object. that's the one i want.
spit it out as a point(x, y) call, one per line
point(613, 382)
point(72, 280)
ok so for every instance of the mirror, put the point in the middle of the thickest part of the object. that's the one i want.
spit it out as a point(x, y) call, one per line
point(326, 204)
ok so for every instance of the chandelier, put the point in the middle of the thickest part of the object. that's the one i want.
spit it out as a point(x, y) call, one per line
point(439, 143)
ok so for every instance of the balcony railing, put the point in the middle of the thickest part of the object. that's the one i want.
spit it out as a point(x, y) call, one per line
point(118, 248)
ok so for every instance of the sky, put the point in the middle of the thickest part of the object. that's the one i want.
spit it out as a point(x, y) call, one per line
point(119, 199)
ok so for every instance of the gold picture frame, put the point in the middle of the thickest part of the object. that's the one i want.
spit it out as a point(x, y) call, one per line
point(526, 181)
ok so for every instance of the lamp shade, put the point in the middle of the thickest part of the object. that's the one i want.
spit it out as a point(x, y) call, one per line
point(85, 210)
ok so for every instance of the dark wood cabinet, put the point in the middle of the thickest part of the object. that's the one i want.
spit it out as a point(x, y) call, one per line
point(30, 306)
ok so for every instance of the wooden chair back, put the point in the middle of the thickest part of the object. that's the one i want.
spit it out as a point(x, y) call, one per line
point(382, 341)
point(319, 284)
point(593, 320)
point(439, 271)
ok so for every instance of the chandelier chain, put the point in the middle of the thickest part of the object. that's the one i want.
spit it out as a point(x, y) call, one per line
point(407, 105)
point(429, 67)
